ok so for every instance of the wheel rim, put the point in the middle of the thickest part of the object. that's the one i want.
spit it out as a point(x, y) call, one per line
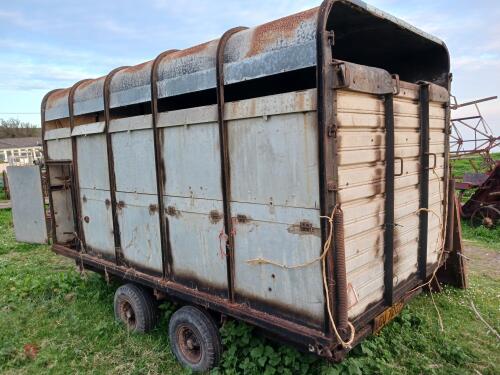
point(486, 216)
point(127, 314)
point(189, 344)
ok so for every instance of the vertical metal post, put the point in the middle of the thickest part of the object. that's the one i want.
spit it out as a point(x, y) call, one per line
point(389, 201)
point(449, 183)
point(327, 150)
point(424, 179)
point(225, 163)
point(111, 166)
point(160, 170)
point(74, 175)
point(47, 169)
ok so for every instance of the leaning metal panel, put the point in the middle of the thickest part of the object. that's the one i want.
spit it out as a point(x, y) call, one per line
point(27, 204)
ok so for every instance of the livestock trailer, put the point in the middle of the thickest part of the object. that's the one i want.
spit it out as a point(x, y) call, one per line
point(292, 175)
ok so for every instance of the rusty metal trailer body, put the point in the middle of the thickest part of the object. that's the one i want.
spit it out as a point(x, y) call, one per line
point(205, 173)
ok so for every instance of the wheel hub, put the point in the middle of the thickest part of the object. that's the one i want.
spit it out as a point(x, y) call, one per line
point(128, 315)
point(189, 344)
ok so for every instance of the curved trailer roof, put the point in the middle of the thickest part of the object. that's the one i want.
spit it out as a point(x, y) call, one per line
point(363, 34)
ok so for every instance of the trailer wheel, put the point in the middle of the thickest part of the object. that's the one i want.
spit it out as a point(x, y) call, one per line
point(136, 307)
point(195, 339)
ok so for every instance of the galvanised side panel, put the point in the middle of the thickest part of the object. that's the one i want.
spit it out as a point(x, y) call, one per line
point(27, 204)
point(274, 186)
point(93, 162)
point(273, 233)
point(134, 161)
point(192, 161)
point(193, 185)
point(97, 221)
point(59, 149)
point(197, 242)
point(274, 160)
point(140, 230)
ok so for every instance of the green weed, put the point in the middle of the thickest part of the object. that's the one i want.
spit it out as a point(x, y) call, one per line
point(55, 320)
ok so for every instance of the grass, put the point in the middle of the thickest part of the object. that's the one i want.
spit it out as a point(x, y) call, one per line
point(476, 234)
point(53, 320)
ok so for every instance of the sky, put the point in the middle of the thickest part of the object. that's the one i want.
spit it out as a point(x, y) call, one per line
point(54, 43)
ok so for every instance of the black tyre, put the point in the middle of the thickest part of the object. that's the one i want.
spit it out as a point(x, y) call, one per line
point(195, 339)
point(136, 307)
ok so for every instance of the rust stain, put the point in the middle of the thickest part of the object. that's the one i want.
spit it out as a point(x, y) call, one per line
point(88, 83)
point(242, 219)
point(215, 216)
point(304, 228)
point(135, 68)
point(153, 208)
point(172, 211)
point(56, 96)
point(284, 28)
point(189, 51)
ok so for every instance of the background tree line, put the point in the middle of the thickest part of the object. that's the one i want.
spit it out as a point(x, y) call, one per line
point(15, 128)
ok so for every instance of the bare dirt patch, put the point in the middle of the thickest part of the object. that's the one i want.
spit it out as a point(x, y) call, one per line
point(483, 261)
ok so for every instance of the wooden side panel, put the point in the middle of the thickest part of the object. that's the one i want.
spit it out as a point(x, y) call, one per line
point(361, 158)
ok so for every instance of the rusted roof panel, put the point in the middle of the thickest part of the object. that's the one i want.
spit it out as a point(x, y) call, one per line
point(131, 85)
point(279, 46)
point(88, 97)
point(189, 70)
point(57, 105)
